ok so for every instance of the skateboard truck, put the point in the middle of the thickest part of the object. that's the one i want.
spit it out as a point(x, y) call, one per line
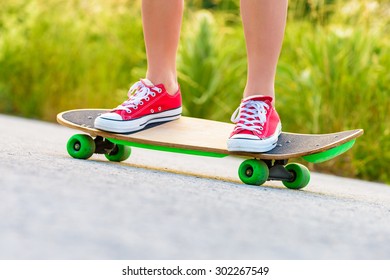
point(277, 172)
point(83, 146)
point(103, 146)
point(258, 171)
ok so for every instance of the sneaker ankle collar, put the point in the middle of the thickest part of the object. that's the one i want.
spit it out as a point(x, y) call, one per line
point(149, 84)
point(258, 98)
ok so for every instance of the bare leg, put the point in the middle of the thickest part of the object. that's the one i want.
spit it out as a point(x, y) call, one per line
point(161, 25)
point(264, 22)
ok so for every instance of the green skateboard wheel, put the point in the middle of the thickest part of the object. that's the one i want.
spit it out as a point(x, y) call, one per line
point(120, 153)
point(81, 146)
point(253, 172)
point(301, 176)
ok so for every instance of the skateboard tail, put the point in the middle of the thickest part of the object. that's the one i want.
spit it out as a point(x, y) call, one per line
point(329, 154)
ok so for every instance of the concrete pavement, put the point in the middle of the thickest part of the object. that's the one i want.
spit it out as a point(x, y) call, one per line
point(56, 207)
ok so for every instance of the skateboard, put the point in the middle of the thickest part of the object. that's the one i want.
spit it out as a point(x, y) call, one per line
point(207, 138)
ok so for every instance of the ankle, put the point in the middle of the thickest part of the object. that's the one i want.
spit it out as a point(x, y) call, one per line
point(171, 88)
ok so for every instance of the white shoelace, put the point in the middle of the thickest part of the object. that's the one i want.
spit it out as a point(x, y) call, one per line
point(137, 93)
point(251, 115)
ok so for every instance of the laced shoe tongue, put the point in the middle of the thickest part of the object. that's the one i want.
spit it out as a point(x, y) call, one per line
point(147, 83)
point(251, 120)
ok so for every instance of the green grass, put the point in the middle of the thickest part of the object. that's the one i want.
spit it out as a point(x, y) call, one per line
point(332, 75)
point(65, 54)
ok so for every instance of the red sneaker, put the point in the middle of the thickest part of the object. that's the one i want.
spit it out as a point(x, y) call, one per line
point(257, 126)
point(147, 104)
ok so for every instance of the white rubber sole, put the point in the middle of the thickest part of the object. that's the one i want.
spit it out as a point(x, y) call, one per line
point(240, 144)
point(120, 126)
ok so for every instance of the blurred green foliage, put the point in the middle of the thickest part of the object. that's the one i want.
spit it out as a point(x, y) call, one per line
point(333, 72)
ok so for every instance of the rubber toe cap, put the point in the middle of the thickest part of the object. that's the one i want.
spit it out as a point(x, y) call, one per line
point(111, 116)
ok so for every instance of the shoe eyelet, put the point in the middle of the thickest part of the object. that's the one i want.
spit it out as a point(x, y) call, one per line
point(136, 107)
point(153, 94)
point(147, 98)
point(141, 103)
point(159, 90)
point(128, 111)
point(152, 111)
point(159, 108)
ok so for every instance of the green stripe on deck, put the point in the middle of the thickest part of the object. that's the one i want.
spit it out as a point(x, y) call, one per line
point(329, 154)
point(168, 149)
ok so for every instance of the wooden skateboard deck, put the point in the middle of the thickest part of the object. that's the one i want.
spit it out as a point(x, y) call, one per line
point(208, 138)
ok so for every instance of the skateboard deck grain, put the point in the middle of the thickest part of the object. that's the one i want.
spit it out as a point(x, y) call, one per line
point(208, 136)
